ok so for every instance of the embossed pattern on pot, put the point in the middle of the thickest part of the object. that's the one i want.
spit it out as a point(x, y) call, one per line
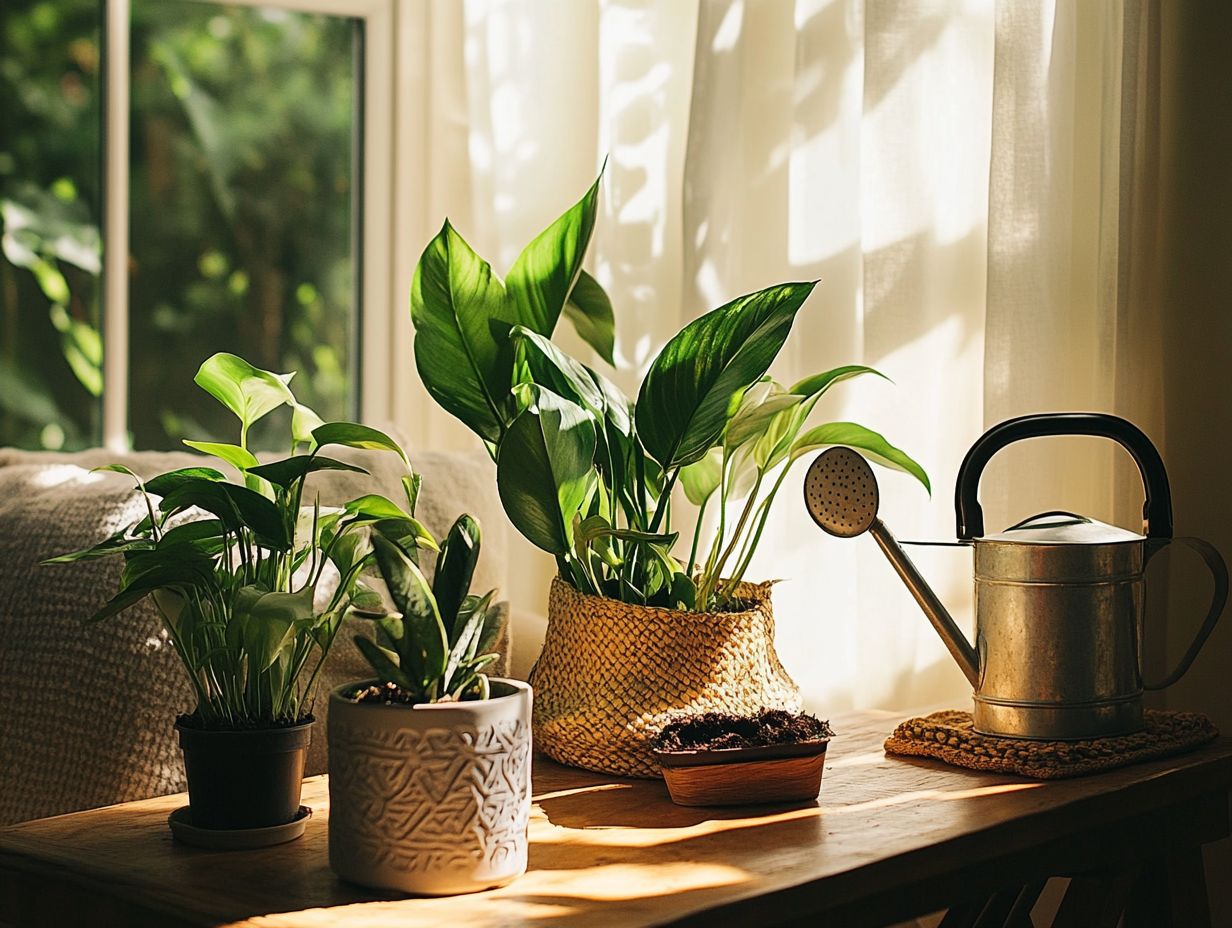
point(427, 801)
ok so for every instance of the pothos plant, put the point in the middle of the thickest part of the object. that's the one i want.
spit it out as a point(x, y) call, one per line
point(254, 592)
point(588, 475)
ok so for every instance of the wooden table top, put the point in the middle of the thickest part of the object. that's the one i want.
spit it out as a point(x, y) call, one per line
point(605, 851)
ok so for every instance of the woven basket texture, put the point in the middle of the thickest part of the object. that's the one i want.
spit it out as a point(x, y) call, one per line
point(611, 674)
point(948, 736)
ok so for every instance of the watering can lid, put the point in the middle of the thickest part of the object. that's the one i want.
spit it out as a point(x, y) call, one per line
point(1063, 528)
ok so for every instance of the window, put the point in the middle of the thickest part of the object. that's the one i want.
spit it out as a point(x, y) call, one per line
point(232, 147)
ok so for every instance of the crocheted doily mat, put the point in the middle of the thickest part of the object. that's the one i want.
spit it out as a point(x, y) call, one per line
point(948, 736)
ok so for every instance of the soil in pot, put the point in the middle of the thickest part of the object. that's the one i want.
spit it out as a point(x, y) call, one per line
point(719, 759)
point(244, 778)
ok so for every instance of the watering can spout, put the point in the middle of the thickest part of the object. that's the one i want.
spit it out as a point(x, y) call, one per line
point(841, 495)
point(959, 647)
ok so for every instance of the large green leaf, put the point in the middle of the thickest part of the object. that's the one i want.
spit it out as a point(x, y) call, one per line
point(760, 404)
point(268, 621)
point(454, 570)
point(353, 435)
point(776, 439)
point(235, 506)
point(696, 383)
point(701, 478)
point(247, 391)
point(455, 301)
point(234, 455)
point(285, 472)
point(423, 648)
point(545, 467)
point(165, 484)
point(869, 443)
point(590, 311)
point(543, 363)
point(544, 274)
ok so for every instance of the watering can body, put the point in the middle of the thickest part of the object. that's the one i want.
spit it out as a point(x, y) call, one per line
point(1058, 630)
point(1059, 598)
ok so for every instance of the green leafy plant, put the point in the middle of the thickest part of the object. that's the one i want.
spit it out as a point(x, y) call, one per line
point(588, 475)
point(435, 647)
point(253, 594)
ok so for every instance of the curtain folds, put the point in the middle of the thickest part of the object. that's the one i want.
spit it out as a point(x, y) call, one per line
point(960, 176)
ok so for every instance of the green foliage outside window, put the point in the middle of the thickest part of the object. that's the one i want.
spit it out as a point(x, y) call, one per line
point(241, 174)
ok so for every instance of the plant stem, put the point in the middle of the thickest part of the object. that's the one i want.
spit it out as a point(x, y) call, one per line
point(697, 533)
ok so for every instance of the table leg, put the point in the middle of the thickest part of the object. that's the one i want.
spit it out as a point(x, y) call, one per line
point(1094, 900)
point(1170, 892)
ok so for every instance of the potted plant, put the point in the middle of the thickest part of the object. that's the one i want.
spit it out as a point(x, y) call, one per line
point(719, 759)
point(430, 760)
point(638, 627)
point(252, 594)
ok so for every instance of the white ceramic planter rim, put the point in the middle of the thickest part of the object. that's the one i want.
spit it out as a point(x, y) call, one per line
point(466, 706)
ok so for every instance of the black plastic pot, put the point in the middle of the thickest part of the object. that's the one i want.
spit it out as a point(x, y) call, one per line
point(244, 779)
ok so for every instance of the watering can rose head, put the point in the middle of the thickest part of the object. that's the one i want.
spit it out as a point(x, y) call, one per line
point(586, 474)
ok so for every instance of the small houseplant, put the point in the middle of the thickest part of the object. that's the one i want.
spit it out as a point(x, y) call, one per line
point(430, 760)
point(253, 593)
point(588, 475)
point(718, 759)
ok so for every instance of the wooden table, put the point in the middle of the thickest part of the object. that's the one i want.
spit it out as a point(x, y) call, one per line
point(888, 839)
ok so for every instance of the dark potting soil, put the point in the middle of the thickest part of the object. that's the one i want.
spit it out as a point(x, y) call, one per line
point(387, 694)
point(191, 721)
point(716, 731)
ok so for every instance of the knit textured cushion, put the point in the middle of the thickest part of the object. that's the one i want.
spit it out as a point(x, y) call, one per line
point(948, 736)
point(86, 712)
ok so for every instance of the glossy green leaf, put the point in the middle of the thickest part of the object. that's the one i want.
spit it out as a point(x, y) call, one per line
point(303, 423)
point(235, 506)
point(454, 570)
point(247, 391)
point(589, 310)
point(759, 405)
point(544, 468)
point(165, 484)
point(234, 455)
point(285, 472)
point(869, 443)
point(695, 384)
point(548, 366)
point(701, 478)
point(269, 621)
point(775, 443)
point(424, 646)
point(455, 298)
point(544, 274)
point(385, 663)
point(353, 435)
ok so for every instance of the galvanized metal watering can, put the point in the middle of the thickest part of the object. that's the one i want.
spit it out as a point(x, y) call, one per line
point(1058, 597)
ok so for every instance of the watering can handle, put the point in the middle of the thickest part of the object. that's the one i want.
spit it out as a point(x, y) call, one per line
point(1156, 511)
point(1219, 571)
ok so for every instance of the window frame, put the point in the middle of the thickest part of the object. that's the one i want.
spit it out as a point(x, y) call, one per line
point(381, 233)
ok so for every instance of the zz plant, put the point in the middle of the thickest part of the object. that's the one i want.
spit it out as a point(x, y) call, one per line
point(435, 647)
point(254, 593)
point(586, 474)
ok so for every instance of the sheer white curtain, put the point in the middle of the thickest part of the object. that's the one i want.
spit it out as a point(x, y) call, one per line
point(953, 172)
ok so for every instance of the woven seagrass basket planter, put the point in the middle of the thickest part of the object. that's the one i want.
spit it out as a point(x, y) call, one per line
point(611, 675)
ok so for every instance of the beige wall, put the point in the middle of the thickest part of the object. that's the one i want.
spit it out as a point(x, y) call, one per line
point(1195, 283)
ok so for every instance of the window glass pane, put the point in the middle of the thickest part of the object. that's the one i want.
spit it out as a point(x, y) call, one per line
point(50, 348)
point(242, 210)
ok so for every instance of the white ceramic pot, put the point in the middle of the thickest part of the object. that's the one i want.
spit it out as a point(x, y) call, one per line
point(430, 799)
